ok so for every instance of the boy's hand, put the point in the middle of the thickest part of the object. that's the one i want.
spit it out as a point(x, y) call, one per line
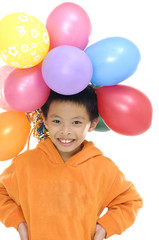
point(100, 232)
point(23, 231)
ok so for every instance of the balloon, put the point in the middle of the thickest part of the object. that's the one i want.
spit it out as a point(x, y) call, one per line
point(124, 109)
point(114, 59)
point(4, 72)
point(25, 89)
point(14, 131)
point(68, 24)
point(24, 41)
point(101, 127)
point(67, 70)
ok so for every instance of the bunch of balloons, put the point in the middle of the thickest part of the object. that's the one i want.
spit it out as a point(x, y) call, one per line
point(40, 58)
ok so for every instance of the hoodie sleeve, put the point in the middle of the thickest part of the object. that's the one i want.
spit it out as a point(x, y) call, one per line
point(123, 203)
point(11, 214)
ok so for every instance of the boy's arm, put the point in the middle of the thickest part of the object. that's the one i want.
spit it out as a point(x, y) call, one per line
point(11, 214)
point(23, 231)
point(123, 203)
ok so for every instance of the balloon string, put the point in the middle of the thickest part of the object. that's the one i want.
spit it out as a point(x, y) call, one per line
point(27, 115)
point(29, 138)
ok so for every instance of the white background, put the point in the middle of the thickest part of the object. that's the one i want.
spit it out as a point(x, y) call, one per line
point(137, 157)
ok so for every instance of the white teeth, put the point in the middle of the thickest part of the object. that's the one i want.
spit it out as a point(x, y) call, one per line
point(65, 140)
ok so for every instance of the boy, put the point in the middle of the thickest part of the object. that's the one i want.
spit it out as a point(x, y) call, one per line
point(58, 190)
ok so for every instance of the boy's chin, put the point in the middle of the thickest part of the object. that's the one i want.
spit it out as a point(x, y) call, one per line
point(72, 149)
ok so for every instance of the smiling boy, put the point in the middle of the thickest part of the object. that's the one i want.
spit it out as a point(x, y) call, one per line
point(68, 124)
point(58, 190)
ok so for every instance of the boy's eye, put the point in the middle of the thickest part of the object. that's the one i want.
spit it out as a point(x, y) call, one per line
point(56, 121)
point(76, 122)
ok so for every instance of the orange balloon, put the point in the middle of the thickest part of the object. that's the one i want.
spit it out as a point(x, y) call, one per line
point(14, 131)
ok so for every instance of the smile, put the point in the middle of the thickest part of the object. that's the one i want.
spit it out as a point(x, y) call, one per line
point(66, 142)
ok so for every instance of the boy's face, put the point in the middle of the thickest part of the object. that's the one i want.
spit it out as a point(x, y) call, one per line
point(68, 124)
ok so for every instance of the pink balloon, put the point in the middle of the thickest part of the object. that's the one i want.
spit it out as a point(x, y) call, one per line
point(25, 89)
point(4, 72)
point(69, 24)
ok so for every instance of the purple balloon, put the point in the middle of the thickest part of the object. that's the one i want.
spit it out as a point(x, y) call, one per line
point(67, 70)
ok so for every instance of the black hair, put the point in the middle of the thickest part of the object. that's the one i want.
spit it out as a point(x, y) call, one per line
point(87, 97)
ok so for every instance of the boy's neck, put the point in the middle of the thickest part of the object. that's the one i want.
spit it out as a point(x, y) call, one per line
point(66, 155)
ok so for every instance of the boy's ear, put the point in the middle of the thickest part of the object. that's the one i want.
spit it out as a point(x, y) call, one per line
point(45, 121)
point(93, 124)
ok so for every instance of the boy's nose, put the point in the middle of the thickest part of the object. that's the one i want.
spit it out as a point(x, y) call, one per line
point(65, 130)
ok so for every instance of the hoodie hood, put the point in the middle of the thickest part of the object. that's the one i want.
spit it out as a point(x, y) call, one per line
point(88, 151)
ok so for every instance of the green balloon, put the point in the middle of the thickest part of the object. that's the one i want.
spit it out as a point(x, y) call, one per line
point(95, 86)
point(101, 126)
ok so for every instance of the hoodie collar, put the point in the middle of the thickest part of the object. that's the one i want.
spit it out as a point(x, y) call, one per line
point(88, 151)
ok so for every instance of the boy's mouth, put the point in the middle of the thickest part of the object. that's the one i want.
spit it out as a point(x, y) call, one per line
point(66, 141)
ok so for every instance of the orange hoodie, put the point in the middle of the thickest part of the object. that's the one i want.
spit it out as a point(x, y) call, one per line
point(63, 200)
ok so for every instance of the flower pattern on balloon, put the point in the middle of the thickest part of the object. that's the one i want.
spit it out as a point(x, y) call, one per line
point(33, 53)
point(45, 37)
point(34, 33)
point(15, 64)
point(37, 58)
point(23, 18)
point(24, 48)
point(3, 55)
point(28, 66)
point(21, 31)
point(13, 51)
point(33, 45)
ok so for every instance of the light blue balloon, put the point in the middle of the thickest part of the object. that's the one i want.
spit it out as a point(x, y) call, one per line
point(114, 59)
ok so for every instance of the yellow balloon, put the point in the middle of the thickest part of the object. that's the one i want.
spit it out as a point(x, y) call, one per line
point(24, 40)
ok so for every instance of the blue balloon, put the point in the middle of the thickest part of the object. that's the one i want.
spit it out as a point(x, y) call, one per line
point(114, 59)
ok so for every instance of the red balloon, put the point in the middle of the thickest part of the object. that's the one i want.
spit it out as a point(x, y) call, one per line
point(68, 24)
point(124, 109)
